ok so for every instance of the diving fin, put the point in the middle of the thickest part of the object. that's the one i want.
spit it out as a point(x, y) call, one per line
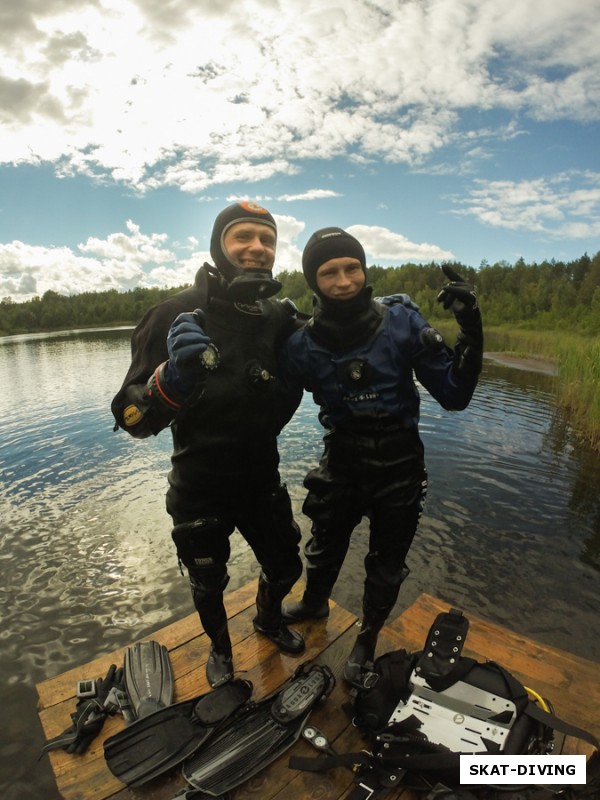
point(148, 677)
point(258, 734)
point(153, 745)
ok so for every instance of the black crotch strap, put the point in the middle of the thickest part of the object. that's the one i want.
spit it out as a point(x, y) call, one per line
point(440, 662)
point(370, 779)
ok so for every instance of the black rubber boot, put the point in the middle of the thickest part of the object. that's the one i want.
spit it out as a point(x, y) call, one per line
point(362, 654)
point(211, 610)
point(219, 666)
point(269, 621)
point(378, 602)
point(307, 608)
point(322, 570)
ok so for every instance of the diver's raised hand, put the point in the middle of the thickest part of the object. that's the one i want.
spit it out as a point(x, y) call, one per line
point(457, 296)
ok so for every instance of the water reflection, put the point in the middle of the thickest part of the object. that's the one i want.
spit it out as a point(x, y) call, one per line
point(511, 530)
point(584, 501)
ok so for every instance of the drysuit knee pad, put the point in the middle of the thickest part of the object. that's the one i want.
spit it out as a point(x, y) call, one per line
point(201, 543)
point(330, 506)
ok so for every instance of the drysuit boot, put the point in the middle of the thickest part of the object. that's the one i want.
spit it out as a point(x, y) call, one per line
point(363, 651)
point(322, 571)
point(269, 621)
point(219, 667)
point(377, 605)
point(307, 608)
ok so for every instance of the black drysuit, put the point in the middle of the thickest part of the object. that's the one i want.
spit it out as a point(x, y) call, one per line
point(225, 461)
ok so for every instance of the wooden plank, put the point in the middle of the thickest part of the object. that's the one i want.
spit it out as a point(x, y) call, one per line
point(255, 658)
point(174, 637)
point(570, 682)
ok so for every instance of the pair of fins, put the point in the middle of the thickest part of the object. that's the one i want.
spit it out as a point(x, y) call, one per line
point(221, 738)
point(257, 735)
point(160, 741)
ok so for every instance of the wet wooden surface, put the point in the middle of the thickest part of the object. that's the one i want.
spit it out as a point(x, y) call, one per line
point(571, 683)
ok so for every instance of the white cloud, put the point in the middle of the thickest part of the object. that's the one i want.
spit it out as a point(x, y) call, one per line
point(136, 247)
point(32, 270)
point(381, 243)
point(289, 257)
point(310, 194)
point(194, 94)
point(121, 261)
point(554, 207)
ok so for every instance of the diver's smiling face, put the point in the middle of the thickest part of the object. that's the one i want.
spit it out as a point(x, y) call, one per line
point(250, 245)
point(341, 278)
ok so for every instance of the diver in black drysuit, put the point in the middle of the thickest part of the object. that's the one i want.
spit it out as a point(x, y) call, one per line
point(216, 387)
point(359, 358)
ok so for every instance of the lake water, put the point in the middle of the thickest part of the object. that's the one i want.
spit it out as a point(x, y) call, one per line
point(511, 529)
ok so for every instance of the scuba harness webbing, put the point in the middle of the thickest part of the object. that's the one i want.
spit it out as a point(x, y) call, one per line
point(420, 711)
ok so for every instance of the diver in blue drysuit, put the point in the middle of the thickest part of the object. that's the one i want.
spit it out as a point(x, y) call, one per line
point(211, 377)
point(359, 358)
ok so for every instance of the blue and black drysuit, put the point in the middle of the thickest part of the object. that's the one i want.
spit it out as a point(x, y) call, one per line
point(360, 359)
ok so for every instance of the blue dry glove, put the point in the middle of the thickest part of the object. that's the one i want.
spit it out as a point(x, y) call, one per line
point(186, 342)
point(394, 299)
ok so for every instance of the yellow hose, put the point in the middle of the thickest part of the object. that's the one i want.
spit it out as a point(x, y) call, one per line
point(535, 696)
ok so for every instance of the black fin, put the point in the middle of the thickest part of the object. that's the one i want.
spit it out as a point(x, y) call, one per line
point(258, 734)
point(153, 745)
point(148, 677)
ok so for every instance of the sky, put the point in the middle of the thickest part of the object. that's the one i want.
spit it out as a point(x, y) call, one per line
point(433, 130)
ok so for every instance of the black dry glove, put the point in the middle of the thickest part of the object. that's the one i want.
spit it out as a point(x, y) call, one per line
point(459, 296)
point(97, 699)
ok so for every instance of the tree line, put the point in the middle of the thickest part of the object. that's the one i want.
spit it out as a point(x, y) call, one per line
point(551, 295)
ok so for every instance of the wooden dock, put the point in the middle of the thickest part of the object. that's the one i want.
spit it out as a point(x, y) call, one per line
point(571, 683)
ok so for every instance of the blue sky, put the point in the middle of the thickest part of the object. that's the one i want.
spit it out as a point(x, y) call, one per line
point(432, 129)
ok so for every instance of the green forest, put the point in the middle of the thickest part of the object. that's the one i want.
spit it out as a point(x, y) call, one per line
point(552, 295)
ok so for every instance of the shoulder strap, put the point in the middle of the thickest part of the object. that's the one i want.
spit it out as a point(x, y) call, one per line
point(546, 718)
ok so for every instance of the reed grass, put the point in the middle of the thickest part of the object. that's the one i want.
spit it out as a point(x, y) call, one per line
point(577, 359)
